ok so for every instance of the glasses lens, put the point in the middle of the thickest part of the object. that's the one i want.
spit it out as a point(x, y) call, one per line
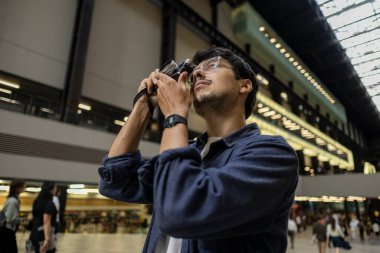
point(209, 65)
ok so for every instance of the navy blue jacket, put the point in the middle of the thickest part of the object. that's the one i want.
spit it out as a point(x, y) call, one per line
point(237, 199)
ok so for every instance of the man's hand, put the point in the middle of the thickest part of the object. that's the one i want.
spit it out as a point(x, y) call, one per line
point(173, 97)
point(148, 83)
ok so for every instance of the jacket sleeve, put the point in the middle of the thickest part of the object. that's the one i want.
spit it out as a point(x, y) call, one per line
point(127, 178)
point(240, 198)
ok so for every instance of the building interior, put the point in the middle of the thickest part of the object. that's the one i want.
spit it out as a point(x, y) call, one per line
point(69, 71)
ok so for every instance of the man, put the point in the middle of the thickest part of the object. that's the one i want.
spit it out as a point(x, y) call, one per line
point(230, 190)
point(319, 232)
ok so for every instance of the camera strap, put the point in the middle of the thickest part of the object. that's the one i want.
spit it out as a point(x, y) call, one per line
point(142, 93)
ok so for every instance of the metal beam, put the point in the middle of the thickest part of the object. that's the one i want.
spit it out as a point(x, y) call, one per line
point(356, 21)
point(360, 33)
point(349, 8)
point(168, 36)
point(77, 61)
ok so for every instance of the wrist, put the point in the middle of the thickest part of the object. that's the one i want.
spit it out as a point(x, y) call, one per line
point(174, 119)
point(181, 112)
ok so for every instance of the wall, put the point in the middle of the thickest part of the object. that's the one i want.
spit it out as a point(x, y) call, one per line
point(35, 39)
point(28, 167)
point(124, 47)
point(340, 185)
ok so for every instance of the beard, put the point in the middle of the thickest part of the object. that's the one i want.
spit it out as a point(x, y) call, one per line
point(218, 103)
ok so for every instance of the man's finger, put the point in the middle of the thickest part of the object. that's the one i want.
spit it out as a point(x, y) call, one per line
point(182, 78)
point(149, 85)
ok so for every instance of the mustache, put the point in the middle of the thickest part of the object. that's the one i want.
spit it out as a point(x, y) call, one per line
point(200, 79)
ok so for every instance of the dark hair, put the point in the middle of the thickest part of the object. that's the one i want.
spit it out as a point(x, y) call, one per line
point(333, 224)
point(43, 197)
point(241, 69)
point(15, 185)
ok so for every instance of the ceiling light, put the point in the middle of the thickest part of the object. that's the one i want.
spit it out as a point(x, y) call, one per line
point(303, 71)
point(10, 84)
point(119, 122)
point(295, 63)
point(287, 55)
point(77, 191)
point(272, 40)
point(76, 186)
point(291, 59)
point(278, 45)
point(277, 116)
point(85, 107)
point(5, 91)
point(284, 96)
point(262, 110)
point(12, 101)
point(265, 82)
point(282, 50)
point(43, 109)
point(125, 118)
point(268, 114)
point(33, 189)
point(262, 28)
point(299, 67)
point(4, 188)
point(260, 105)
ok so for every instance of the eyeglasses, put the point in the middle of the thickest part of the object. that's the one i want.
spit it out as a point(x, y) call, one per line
point(211, 65)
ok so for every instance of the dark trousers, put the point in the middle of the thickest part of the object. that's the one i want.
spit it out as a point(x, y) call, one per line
point(291, 235)
point(8, 240)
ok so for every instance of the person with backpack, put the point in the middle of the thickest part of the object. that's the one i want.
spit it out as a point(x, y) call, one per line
point(11, 210)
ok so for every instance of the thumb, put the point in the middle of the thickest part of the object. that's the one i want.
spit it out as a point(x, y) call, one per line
point(182, 78)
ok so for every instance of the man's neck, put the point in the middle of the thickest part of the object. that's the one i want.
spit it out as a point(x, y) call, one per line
point(224, 125)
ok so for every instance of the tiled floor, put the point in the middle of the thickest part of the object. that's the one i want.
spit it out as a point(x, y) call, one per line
point(133, 243)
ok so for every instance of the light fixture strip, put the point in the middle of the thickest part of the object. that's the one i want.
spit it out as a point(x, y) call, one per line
point(295, 63)
point(10, 84)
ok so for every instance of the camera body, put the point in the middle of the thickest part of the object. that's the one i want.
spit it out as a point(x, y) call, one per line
point(172, 69)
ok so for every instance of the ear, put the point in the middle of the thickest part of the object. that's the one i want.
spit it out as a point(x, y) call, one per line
point(245, 86)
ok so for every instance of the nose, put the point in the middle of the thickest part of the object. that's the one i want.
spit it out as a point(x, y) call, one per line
point(198, 74)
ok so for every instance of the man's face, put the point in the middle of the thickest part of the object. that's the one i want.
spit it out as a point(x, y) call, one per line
point(213, 85)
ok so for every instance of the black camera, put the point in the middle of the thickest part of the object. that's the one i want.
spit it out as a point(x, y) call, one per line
point(172, 69)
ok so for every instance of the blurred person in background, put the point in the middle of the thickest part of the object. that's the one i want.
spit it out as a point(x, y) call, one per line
point(335, 233)
point(292, 230)
point(44, 220)
point(11, 210)
point(353, 226)
point(299, 223)
point(376, 229)
point(57, 205)
point(320, 232)
point(304, 221)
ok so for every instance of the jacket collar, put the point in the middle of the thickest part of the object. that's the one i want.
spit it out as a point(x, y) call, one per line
point(232, 139)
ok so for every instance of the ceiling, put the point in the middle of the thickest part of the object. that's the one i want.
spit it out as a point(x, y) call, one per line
point(302, 24)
